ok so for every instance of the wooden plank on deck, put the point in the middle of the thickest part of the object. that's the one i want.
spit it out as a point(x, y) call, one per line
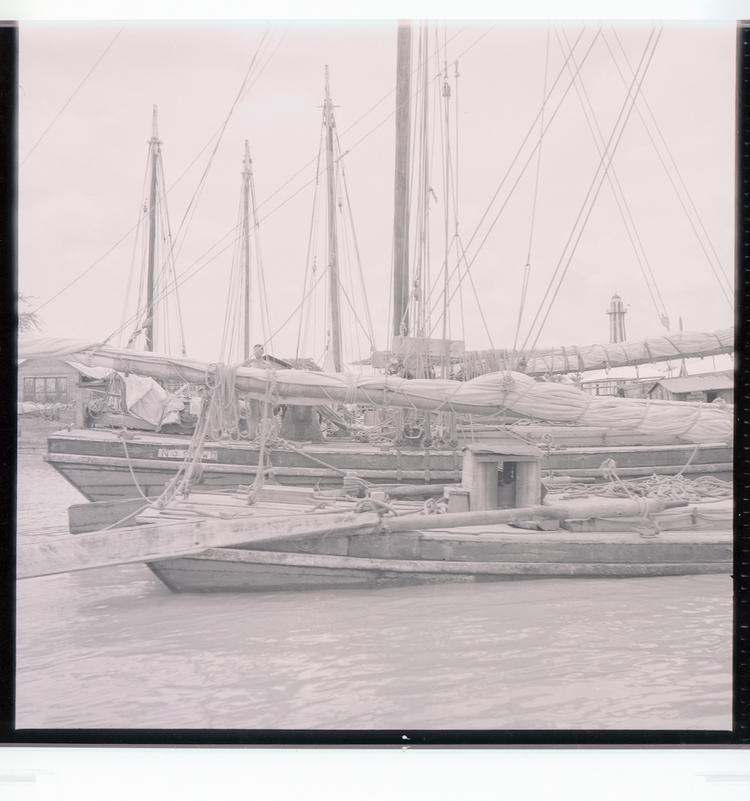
point(167, 540)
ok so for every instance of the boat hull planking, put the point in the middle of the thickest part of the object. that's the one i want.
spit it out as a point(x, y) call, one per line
point(368, 561)
point(102, 467)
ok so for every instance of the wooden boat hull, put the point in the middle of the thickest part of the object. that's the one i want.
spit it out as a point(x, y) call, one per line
point(102, 466)
point(367, 561)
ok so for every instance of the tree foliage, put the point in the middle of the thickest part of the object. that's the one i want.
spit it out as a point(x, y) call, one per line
point(27, 320)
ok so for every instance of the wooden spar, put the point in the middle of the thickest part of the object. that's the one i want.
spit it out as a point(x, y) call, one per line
point(582, 358)
point(445, 362)
point(154, 143)
point(166, 541)
point(314, 388)
point(333, 257)
point(246, 251)
point(562, 510)
point(147, 543)
point(401, 183)
point(83, 517)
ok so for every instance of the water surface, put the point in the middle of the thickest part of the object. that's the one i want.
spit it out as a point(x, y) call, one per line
point(114, 648)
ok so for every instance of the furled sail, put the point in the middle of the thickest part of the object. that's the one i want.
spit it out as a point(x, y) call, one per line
point(580, 358)
point(498, 394)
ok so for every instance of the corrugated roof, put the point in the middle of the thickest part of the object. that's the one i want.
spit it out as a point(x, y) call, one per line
point(697, 383)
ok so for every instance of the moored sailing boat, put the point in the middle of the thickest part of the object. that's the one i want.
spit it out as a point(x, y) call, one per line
point(294, 539)
point(106, 464)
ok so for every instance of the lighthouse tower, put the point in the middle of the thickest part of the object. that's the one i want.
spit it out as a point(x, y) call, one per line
point(616, 314)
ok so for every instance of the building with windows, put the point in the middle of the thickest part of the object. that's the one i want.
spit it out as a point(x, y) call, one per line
point(56, 381)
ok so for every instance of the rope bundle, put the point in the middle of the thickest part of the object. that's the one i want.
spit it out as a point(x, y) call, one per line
point(666, 488)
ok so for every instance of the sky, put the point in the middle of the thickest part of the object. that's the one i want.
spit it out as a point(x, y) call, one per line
point(85, 119)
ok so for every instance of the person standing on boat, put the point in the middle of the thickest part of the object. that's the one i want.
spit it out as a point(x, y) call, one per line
point(262, 359)
point(258, 359)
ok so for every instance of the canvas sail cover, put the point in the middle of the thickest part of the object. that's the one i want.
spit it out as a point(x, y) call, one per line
point(497, 394)
point(581, 358)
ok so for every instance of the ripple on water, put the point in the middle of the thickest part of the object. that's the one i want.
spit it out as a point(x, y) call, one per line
point(114, 648)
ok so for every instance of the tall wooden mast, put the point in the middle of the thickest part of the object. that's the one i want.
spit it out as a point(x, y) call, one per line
point(246, 173)
point(401, 189)
point(155, 152)
point(333, 258)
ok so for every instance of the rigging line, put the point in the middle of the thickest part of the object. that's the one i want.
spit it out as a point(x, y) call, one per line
point(193, 270)
point(362, 138)
point(527, 266)
point(617, 191)
point(311, 230)
point(87, 270)
point(264, 65)
point(140, 303)
point(186, 275)
point(98, 261)
point(344, 183)
point(166, 333)
point(217, 132)
point(182, 175)
point(192, 205)
point(275, 209)
point(414, 169)
point(74, 93)
point(539, 152)
point(678, 172)
point(598, 181)
point(170, 257)
point(135, 248)
point(412, 74)
point(467, 272)
point(139, 307)
point(423, 209)
point(353, 310)
point(232, 321)
point(195, 267)
point(367, 113)
point(593, 190)
point(446, 191)
point(414, 177)
point(233, 293)
point(359, 324)
point(525, 165)
point(424, 235)
point(162, 257)
point(454, 185)
point(265, 314)
point(163, 277)
point(676, 168)
point(520, 148)
point(455, 190)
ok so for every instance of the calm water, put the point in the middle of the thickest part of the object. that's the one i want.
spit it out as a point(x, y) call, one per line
point(114, 648)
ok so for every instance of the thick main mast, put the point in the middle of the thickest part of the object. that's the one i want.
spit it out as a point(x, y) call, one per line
point(246, 173)
point(333, 256)
point(155, 151)
point(401, 188)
